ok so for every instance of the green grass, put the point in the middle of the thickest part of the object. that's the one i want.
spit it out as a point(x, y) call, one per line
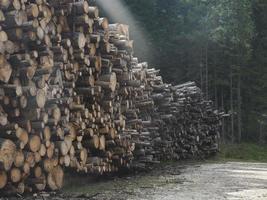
point(243, 152)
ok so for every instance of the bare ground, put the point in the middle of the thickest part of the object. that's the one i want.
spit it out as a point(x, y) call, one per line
point(212, 181)
point(175, 181)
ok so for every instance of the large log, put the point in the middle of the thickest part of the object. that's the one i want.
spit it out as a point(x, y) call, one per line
point(7, 153)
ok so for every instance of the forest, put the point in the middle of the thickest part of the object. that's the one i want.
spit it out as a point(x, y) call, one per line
point(220, 44)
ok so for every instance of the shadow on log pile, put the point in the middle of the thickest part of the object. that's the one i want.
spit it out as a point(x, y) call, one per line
point(73, 96)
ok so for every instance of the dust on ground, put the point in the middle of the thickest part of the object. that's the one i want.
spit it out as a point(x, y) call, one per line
point(176, 181)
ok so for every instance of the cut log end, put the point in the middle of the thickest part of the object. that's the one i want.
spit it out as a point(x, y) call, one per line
point(55, 178)
point(3, 179)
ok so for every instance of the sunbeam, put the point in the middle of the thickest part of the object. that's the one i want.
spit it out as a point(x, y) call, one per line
point(118, 12)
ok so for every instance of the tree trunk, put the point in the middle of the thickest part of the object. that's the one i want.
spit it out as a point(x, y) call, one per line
point(207, 71)
point(239, 103)
point(232, 106)
point(223, 120)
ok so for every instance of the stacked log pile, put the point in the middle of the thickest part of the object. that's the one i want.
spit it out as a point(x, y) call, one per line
point(72, 96)
point(188, 124)
point(30, 110)
point(179, 123)
point(144, 107)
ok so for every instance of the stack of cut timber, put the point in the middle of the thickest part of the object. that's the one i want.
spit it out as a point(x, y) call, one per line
point(148, 130)
point(89, 52)
point(188, 124)
point(73, 96)
point(29, 93)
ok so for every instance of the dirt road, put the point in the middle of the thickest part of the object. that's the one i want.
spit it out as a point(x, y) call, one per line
point(210, 181)
point(175, 181)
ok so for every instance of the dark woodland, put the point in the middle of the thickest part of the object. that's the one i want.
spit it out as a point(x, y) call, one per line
point(220, 44)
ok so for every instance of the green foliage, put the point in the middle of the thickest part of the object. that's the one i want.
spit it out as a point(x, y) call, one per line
point(231, 24)
point(243, 152)
point(206, 41)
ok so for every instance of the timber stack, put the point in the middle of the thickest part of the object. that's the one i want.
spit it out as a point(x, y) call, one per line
point(73, 96)
point(188, 124)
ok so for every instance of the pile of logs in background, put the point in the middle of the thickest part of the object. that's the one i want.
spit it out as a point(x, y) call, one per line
point(72, 96)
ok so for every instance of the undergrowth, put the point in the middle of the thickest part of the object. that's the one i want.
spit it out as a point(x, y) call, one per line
point(243, 152)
